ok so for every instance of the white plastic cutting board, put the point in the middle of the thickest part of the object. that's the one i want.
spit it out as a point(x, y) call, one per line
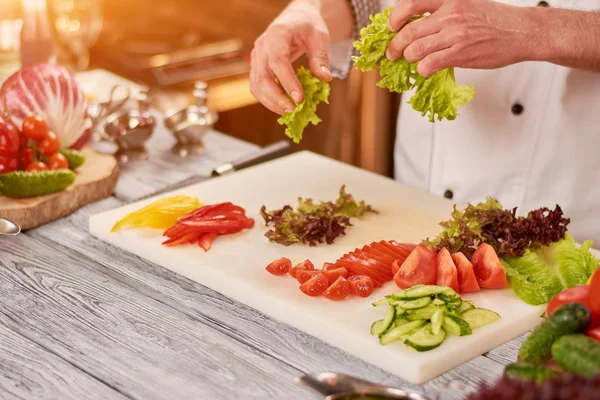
point(235, 266)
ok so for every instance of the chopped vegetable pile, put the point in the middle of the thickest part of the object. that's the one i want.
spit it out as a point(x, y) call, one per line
point(315, 92)
point(436, 96)
point(313, 223)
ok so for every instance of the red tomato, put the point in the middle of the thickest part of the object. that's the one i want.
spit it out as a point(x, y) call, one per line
point(34, 127)
point(466, 276)
point(446, 270)
point(58, 161)
point(396, 266)
point(50, 144)
point(488, 269)
point(10, 139)
point(315, 285)
point(37, 166)
point(595, 293)
point(26, 157)
point(577, 294)
point(304, 275)
point(8, 164)
point(361, 285)
point(24, 142)
point(305, 265)
point(339, 290)
point(280, 266)
point(418, 268)
point(594, 334)
point(329, 266)
point(333, 274)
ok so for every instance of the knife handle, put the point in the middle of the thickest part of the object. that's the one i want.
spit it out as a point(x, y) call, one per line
point(267, 153)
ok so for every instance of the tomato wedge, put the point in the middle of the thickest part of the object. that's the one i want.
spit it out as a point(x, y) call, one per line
point(328, 266)
point(333, 274)
point(467, 282)
point(361, 285)
point(396, 266)
point(359, 269)
point(446, 270)
point(339, 290)
point(305, 265)
point(315, 286)
point(488, 269)
point(418, 268)
point(280, 266)
point(303, 276)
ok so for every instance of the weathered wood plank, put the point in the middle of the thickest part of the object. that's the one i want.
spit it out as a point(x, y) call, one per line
point(245, 324)
point(28, 371)
point(508, 352)
point(65, 302)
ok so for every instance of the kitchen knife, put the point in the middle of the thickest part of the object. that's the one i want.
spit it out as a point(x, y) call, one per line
point(267, 153)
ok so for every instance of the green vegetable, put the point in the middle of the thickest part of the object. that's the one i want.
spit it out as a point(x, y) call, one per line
point(540, 274)
point(400, 332)
point(478, 317)
point(23, 184)
point(424, 339)
point(570, 318)
point(577, 353)
point(315, 92)
point(455, 325)
point(437, 96)
point(74, 157)
point(529, 372)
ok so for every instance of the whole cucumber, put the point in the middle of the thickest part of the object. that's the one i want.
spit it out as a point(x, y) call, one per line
point(529, 372)
point(577, 353)
point(570, 318)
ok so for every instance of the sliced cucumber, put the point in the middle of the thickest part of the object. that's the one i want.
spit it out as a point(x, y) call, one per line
point(424, 339)
point(438, 302)
point(478, 317)
point(379, 303)
point(455, 325)
point(400, 332)
point(466, 305)
point(416, 303)
point(400, 321)
point(377, 327)
point(423, 313)
point(436, 321)
point(383, 325)
point(449, 298)
point(419, 291)
point(400, 311)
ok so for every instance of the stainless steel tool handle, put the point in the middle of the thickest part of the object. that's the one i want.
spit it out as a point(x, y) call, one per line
point(265, 154)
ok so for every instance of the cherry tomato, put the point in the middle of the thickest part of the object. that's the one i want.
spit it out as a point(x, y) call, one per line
point(578, 294)
point(488, 269)
point(315, 285)
point(333, 274)
point(35, 128)
point(305, 265)
point(595, 293)
point(10, 140)
point(8, 164)
point(37, 166)
point(467, 282)
point(280, 266)
point(361, 285)
point(328, 266)
point(594, 334)
point(339, 290)
point(418, 268)
point(26, 157)
point(447, 274)
point(304, 275)
point(58, 161)
point(50, 144)
point(24, 142)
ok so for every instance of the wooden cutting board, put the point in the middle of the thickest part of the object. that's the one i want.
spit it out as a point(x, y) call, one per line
point(96, 179)
point(235, 266)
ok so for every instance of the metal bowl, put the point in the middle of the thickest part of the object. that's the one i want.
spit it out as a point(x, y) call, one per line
point(189, 127)
point(130, 130)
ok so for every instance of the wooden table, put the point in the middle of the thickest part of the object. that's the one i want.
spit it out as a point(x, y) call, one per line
point(80, 319)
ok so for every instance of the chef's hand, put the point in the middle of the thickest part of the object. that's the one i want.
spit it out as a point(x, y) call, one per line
point(481, 34)
point(299, 29)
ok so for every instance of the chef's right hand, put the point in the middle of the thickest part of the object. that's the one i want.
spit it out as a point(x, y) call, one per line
point(299, 29)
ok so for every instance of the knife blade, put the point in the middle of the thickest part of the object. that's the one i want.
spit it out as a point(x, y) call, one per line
point(267, 153)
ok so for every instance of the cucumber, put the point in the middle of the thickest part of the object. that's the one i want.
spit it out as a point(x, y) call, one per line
point(423, 313)
point(383, 325)
point(438, 302)
point(379, 303)
point(419, 291)
point(450, 298)
point(400, 332)
point(455, 325)
point(416, 303)
point(577, 353)
point(74, 157)
point(478, 317)
point(529, 372)
point(400, 321)
point(424, 339)
point(465, 306)
point(569, 318)
point(23, 184)
point(400, 311)
point(436, 321)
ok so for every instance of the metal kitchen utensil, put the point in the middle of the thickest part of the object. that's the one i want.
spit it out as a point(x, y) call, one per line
point(8, 227)
point(130, 130)
point(98, 111)
point(191, 124)
point(334, 386)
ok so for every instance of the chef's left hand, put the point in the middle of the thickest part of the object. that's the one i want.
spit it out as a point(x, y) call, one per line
point(481, 34)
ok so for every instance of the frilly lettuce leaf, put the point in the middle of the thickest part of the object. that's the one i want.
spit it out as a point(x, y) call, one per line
point(540, 274)
point(315, 92)
point(437, 96)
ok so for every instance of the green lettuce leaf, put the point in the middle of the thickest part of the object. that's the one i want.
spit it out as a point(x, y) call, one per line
point(396, 75)
point(315, 92)
point(540, 274)
point(373, 42)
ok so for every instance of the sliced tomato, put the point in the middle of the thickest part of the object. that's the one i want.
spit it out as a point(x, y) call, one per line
point(333, 274)
point(361, 285)
point(578, 294)
point(418, 268)
point(594, 334)
point(305, 265)
point(328, 266)
point(280, 266)
point(375, 271)
point(401, 252)
point(383, 258)
point(467, 282)
point(339, 290)
point(206, 241)
point(359, 269)
point(315, 286)
point(595, 294)
point(365, 259)
point(396, 266)
point(303, 276)
point(384, 249)
point(405, 248)
point(446, 270)
point(488, 269)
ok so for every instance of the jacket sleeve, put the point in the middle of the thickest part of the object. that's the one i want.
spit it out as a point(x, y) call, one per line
point(340, 53)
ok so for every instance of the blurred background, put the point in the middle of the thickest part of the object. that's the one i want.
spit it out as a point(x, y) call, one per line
point(167, 45)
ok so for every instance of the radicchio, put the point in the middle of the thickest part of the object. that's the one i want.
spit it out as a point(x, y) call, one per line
point(50, 91)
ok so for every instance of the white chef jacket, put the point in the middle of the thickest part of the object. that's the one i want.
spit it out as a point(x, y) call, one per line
point(530, 138)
